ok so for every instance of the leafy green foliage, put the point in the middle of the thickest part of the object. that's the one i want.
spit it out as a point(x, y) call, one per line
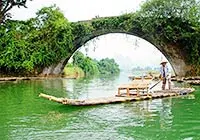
point(54, 37)
point(175, 22)
point(13, 48)
point(108, 66)
point(30, 46)
point(81, 29)
point(166, 22)
point(85, 63)
point(45, 40)
point(93, 67)
point(71, 71)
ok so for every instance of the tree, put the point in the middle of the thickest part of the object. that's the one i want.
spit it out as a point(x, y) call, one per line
point(6, 5)
point(108, 66)
point(174, 22)
point(88, 65)
point(29, 46)
point(52, 37)
point(78, 58)
point(169, 18)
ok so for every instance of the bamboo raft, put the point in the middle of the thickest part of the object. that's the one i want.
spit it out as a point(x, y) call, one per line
point(121, 98)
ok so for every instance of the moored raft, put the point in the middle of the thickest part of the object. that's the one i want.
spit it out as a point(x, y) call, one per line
point(120, 99)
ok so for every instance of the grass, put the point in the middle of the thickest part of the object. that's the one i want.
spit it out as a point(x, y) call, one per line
point(73, 72)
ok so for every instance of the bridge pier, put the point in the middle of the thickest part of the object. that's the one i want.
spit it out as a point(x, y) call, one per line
point(54, 70)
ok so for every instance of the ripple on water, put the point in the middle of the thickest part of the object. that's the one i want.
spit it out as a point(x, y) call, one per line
point(25, 116)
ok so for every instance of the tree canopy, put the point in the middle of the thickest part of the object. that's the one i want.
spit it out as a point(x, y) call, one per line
point(105, 66)
point(7, 5)
point(28, 46)
point(31, 45)
point(166, 22)
point(176, 22)
point(108, 66)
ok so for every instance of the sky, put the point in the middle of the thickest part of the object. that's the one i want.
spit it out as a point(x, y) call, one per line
point(128, 51)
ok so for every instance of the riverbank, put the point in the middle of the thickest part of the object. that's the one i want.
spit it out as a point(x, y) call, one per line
point(25, 78)
point(188, 80)
point(73, 72)
point(69, 73)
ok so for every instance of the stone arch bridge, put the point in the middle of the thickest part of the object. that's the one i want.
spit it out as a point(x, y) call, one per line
point(101, 26)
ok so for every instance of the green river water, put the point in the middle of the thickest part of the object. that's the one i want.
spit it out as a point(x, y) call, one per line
point(25, 116)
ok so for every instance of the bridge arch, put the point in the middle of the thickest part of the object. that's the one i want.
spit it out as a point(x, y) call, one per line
point(173, 60)
point(173, 52)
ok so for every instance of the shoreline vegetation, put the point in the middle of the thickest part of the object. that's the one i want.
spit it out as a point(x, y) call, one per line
point(188, 80)
point(73, 72)
point(28, 47)
point(84, 66)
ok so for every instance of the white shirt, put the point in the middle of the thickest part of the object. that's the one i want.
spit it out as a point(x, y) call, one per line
point(164, 70)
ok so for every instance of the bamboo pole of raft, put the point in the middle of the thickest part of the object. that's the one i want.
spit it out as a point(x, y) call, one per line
point(119, 99)
point(51, 98)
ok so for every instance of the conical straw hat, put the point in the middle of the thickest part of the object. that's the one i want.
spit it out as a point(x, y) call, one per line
point(163, 61)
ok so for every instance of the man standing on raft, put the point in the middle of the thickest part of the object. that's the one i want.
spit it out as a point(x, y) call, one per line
point(165, 75)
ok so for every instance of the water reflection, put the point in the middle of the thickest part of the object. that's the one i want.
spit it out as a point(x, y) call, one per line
point(166, 116)
point(148, 110)
point(24, 115)
point(85, 88)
